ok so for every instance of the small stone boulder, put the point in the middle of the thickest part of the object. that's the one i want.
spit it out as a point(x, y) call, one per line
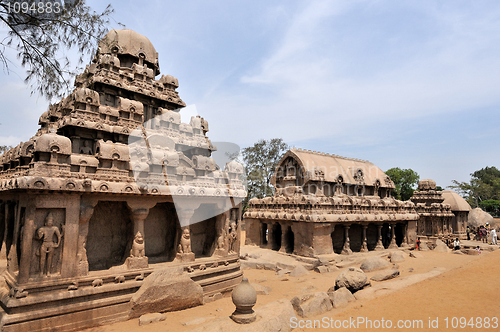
point(374, 263)
point(151, 318)
point(353, 279)
point(441, 246)
point(416, 254)
point(340, 297)
point(299, 271)
point(397, 257)
point(386, 275)
point(470, 251)
point(311, 304)
point(163, 290)
point(261, 290)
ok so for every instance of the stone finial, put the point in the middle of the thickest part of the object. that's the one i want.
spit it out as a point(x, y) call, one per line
point(244, 298)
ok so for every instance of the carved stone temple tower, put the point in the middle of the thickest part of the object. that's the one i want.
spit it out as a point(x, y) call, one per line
point(112, 187)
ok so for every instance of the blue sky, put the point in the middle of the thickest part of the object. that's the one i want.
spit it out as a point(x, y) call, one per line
point(400, 83)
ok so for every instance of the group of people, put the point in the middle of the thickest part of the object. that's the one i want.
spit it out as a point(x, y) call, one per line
point(486, 234)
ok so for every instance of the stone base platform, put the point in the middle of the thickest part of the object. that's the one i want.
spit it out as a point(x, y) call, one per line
point(101, 297)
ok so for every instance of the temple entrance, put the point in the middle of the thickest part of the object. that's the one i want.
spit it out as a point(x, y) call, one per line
point(372, 236)
point(263, 235)
point(276, 234)
point(399, 233)
point(386, 235)
point(161, 227)
point(337, 238)
point(203, 233)
point(356, 237)
point(110, 231)
point(289, 237)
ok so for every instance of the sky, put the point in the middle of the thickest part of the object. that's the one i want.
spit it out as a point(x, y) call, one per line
point(409, 84)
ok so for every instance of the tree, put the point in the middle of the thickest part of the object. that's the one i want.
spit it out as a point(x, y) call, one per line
point(405, 181)
point(42, 32)
point(483, 186)
point(261, 160)
point(4, 148)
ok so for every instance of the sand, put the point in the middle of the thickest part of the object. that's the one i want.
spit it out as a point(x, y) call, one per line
point(468, 288)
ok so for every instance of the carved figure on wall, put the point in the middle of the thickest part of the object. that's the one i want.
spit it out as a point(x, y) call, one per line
point(232, 237)
point(185, 245)
point(137, 246)
point(86, 149)
point(47, 233)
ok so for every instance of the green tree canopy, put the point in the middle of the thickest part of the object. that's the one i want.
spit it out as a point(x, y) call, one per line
point(484, 185)
point(4, 148)
point(405, 181)
point(261, 160)
point(42, 32)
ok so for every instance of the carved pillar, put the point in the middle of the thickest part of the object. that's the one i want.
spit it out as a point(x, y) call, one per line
point(270, 236)
point(380, 245)
point(138, 258)
point(27, 233)
point(184, 253)
point(364, 246)
point(283, 239)
point(86, 212)
point(393, 244)
point(404, 244)
point(346, 250)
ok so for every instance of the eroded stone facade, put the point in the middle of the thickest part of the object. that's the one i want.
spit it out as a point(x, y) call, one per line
point(326, 203)
point(107, 191)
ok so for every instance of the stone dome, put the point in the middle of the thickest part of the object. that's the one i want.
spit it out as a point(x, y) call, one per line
point(126, 41)
point(455, 200)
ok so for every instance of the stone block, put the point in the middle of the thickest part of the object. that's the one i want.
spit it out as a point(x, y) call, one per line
point(340, 297)
point(311, 304)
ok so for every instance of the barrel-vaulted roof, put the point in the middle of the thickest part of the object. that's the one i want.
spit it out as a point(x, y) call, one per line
point(455, 200)
point(317, 166)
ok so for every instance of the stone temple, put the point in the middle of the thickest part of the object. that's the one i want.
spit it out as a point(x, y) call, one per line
point(326, 203)
point(112, 188)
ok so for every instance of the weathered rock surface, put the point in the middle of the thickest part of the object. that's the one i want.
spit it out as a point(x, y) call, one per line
point(165, 290)
point(416, 254)
point(282, 272)
point(261, 290)
point(272, 317)
point(151, 318)
point(299, 271)
point(478, 217)
point(340, 297)
point(311, 304)
point(325, 269)
point(374, 263)
point(385, 275)
point(353, 279)
point(397, 256)
point(441, 247)
point(470, 251)
point(394, 285)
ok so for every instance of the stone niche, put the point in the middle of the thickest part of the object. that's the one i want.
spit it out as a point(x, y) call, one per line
point(326, 203)
point(113, 187)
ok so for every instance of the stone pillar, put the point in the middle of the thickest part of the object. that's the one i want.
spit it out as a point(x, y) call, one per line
point(27, 233)
point(86, 212)
point(270, 237)
point(364, 245)
point(393, 244)
point(346, 250)
point(283, 238)
point(138, 258)
point(380, 245)
point(405, 236)
point(184, 253)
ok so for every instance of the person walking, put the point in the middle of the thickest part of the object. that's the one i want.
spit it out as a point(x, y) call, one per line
point(493, 234)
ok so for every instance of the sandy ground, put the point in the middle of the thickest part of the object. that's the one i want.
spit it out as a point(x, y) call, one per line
point(468, 288)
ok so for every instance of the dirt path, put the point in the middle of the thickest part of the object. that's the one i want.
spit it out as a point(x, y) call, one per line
point(468, 288)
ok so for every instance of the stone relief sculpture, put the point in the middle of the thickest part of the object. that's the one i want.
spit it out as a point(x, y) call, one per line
point(184, 253)
point(232, 237)
point(185, 245)
point(138, 246)
point(46, 234)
